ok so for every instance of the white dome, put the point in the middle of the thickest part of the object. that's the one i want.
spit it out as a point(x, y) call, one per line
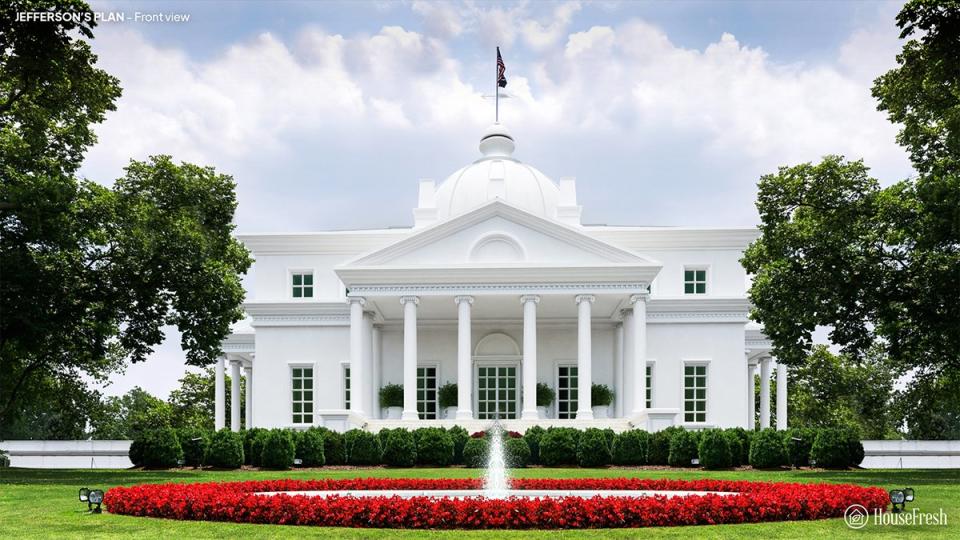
point(497, 175)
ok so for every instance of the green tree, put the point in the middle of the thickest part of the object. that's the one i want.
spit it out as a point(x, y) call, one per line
point(126, 416)
point(91, 274)
point(193, 403)
point(55, 408)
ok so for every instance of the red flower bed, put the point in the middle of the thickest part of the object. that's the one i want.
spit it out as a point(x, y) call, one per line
point(238, 502)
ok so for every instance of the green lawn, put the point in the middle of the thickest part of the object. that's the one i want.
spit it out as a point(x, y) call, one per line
point(43, 503)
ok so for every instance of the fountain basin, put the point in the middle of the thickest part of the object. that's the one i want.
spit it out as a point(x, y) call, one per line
point(522, 493)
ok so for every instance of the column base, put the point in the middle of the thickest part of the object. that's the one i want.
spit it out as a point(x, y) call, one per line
point(530, 415)
point(585, 415)
point(409, 415)
point(464, 415)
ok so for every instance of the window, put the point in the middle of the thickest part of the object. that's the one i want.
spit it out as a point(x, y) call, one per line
point(695, 281)
point(302, 379)
point(695, 393)
point(346, 387)
point(496, 392)
point(427, 393)
point(649, 386)
point(302, 284)
point(567, 395)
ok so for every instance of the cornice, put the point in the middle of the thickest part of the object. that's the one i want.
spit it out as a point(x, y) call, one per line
point(479, 288)
point(298, 314)
point(669, 238)
point(321, 243)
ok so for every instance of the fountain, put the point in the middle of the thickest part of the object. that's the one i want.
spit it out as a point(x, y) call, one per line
point(496, 485)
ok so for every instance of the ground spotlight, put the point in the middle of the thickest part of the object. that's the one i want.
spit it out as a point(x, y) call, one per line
point(907, 494)
point(898, 500)
point(84, 494)
point(95, 497)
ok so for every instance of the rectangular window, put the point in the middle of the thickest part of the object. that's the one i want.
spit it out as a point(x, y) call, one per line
point(302, 284)
point(695, 393)
point(694, 281)
point(302, 383)
point(496, 392)
point(567, 391)
point(649, 386)
point(346, 387)
point(427, 393)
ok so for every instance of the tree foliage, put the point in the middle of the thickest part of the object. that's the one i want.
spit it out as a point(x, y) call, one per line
point(126, 416)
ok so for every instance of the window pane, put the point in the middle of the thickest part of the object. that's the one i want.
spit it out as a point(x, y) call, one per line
point(701, 275)
point(308, 279)
point(701, 288)
point(297, 279)
point(308, 292)
point(688, 275)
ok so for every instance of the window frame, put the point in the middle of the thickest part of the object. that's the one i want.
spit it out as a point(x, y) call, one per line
point(436, 390)
point(346, 385)
point(517, 388)
point(705, 364)
point(291, 272)
point(572, 413)
point(303, 401)
point(651, 384)
point(707, 286)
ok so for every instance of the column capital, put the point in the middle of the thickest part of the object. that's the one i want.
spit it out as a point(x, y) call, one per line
point(356, 300)
point(535, 298)
point(580, 298)
point(248, 370)
point(639, 297)
point(235, 362)
point(408, 299)
point(463, 298)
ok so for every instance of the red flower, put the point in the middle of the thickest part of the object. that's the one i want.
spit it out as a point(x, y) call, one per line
point(239, 502)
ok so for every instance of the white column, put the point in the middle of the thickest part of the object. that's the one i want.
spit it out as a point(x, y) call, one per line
point(618, 371)
point(765, 393)
point(781, 396)
point(356, 353)
point(751, 397)
point(409, 357)
point(235, 395)
point(529, 302)
point(628, 362)
point(366, 384)
point(377, 344)
point(639, 352)
point(464, 358)
point(584, 358)
point(219, 396)
point(248, 411)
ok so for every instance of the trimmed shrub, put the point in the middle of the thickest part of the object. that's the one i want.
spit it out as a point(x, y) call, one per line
point(545, 395)
point(517, 452)
point(630, 447)
point(593, 449)
point(334, 452)
point(225, 450)
point(391, 395)
point(714, 450)
point(836, 448)
point(136, 452)
point(194, 443)
point(797, 443)
point(736, 448)
point(600, 395)
point(159, 448)
point(400, 449)
point(558, 446)
point(683, 449)
point(532, 436)
point(766, 449)
point(475, 453)
point(363, 447)
point(744, 446)
point(384, 434)
point(459, 436)
point(279, 450)
point(248, 437)
point(434, 446)
point(256, 448)
point(447, 395)
point(310, 448)
point(658, 450)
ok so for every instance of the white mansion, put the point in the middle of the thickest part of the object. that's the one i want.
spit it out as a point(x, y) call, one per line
point(498, 287)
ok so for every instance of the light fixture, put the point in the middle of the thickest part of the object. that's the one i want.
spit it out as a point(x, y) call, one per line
point(897, 499)
point(95, 497)
point(908, 494)
point(84, 493)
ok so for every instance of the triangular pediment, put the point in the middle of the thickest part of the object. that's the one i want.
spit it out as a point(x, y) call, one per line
point(498, 234)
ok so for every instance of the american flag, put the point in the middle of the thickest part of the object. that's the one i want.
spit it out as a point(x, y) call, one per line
point(501, 69)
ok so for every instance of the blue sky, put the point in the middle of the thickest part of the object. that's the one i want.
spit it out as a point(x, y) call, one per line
point(328, 113)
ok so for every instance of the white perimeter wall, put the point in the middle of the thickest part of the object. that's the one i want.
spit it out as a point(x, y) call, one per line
point(68, 454)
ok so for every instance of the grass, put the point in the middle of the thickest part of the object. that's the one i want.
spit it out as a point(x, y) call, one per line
point(38, 503)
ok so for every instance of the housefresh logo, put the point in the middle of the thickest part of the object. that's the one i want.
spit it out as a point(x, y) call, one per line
point(857, 517)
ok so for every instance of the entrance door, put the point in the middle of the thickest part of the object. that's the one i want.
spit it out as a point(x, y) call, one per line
point(496, 392)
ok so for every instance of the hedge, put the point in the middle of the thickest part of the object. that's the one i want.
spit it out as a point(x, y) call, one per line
point(459, 436)
point(714, 450)
point(532, 436)
point(156, 448)
point(194, 443)
point(475, 453)
point(836, 448)
point(683, 448)
point(334, 452)
point(744, 438)
point(797, 443)
point(434, 447)
point(558, 446)
point(630, 447)
point(225, 450)
point(517, 452)
point(593, 449)
point(363, 447)
point(400, 449)
point(248, 437)
point(766, 449)
point(279, 450)
point(256, 448)
point(658, 451)
point(310, 448)
point(735, 443)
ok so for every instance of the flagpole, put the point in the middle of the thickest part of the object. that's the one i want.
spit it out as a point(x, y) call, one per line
point(496, 83)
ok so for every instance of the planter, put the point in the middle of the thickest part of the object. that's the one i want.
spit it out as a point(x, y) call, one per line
point(542, 412)
point(449, 413)
point(394, 413)
point(601, 411)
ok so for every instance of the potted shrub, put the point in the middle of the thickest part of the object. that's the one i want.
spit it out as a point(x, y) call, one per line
point(391, 399)
point(545, 397)
point(601, 396)
point(447, 395)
